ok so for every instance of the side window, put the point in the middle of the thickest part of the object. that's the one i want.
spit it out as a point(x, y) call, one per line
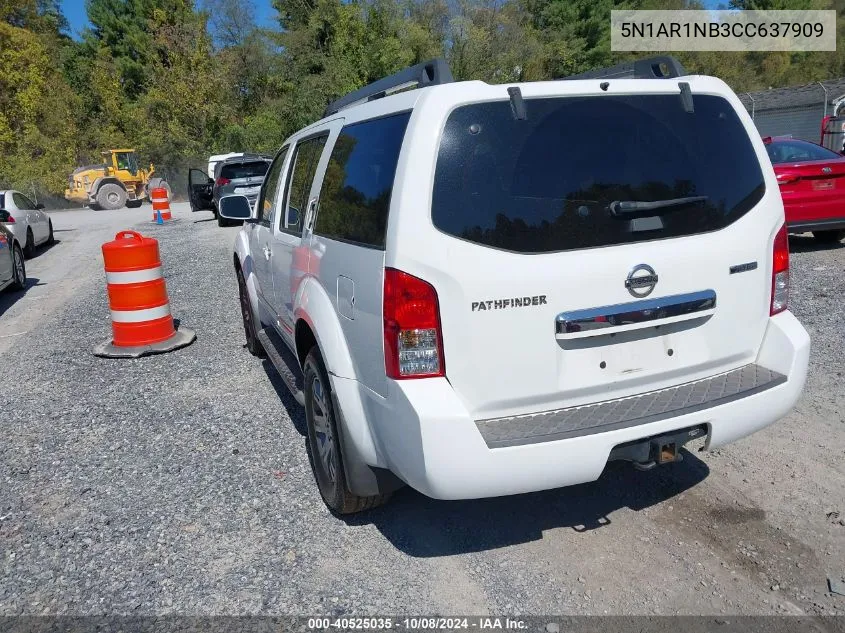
point(22, 202)
point(305, 159)
point(359, 180)
point(270, 188)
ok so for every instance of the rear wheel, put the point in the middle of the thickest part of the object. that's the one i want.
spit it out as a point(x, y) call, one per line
point(829, 237)
point(29, 247)
point(111, 197)
point(250, 326)
point(50, 238)
point(18, 269)
point(134, 204)
point(323, 442)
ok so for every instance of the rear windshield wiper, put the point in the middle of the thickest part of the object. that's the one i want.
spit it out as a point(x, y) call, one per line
point(625, 207)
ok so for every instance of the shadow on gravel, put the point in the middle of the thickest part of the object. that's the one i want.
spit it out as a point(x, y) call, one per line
point(295, 412)
point(9, 297)
point(425, 528)
point(46, 247)
point(809, 244)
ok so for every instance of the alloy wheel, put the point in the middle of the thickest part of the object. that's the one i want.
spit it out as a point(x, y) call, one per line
point(323, 430)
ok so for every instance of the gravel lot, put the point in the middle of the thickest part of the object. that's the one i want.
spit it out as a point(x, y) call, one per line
point(179, 484)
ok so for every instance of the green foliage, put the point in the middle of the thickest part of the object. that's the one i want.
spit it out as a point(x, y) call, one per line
point(179, 82)
point(37, 126)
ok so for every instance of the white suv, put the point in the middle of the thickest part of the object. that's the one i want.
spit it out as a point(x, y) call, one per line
point(482, 290)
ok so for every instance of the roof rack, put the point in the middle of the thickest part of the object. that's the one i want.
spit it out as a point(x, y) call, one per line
point(660, 67)
point(431, 73)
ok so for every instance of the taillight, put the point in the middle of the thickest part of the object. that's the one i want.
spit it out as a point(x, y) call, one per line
point(413, 341)
point(222, 181)
point(9, 219)
point(780, 272)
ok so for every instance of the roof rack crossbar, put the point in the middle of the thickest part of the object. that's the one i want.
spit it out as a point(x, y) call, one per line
point(660, 67)
point(431, 73)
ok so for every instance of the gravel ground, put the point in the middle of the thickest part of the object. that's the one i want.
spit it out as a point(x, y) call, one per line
point(179, 484)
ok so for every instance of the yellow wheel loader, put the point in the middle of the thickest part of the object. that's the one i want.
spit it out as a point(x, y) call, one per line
point(116, 183)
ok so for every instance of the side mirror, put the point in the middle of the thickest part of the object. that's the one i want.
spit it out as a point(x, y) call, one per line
point(293, 216)
point(39, 206)
point(235, 208)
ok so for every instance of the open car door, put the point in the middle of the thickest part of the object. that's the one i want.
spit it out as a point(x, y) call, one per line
point(199, 190)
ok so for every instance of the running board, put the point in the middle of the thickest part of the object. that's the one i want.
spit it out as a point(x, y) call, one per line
point(286, 365)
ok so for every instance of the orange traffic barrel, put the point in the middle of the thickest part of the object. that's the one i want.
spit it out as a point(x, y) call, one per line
point(161, 203)
point(138, 302)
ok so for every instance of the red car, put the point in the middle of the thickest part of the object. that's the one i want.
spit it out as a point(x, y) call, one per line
point(812, 184)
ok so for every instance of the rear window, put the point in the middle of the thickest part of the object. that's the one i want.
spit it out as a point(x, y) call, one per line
point(566, 177)
point(244, 170)
point(798, 152)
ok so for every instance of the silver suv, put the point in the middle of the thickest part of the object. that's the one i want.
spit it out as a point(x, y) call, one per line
point(240, 175)
point(482, 290)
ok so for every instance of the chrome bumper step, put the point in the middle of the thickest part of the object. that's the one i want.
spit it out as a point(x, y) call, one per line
point(626, 412)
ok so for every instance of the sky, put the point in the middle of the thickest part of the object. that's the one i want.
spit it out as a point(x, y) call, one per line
point(74, 11)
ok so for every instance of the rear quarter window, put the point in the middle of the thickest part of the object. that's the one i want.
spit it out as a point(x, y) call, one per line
point(547, 183)
point(356, 190)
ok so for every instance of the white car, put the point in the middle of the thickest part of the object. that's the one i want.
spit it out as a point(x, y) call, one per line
point(26, 219)
point(483, 290)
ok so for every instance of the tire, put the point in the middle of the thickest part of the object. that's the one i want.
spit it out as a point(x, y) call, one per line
point(134, 204)
point(18, 269)
point(50, 238)
point(111, 197)
point(29, 247)
point(323, 446)
point(250, 330)
point(829, 237)
point(221, 222)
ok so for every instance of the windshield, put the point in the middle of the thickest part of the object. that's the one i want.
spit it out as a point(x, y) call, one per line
point(244, 170)
point(798, 152)
point(547, 183)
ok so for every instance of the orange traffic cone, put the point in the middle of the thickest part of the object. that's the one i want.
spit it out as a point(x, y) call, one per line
point(140, 309)
point(161, 204)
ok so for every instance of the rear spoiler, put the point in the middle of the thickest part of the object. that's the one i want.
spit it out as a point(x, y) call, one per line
point(659, 67)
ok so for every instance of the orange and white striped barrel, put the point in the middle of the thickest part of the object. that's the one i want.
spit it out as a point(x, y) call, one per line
point(160, 203)
point(140, 309)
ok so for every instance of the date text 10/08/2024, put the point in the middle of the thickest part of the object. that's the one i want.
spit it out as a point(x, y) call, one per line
point(417, 623)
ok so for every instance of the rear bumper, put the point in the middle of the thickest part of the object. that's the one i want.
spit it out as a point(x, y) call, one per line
point(826, 224)
point(429, 440)
point(18, 229)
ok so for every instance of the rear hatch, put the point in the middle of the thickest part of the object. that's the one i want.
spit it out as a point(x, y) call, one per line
point(585, 252)
point(243, 178)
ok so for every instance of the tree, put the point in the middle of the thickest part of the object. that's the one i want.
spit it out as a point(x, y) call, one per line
point(37, 124)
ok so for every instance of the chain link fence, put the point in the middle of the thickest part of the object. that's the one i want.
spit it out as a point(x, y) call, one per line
point(795, 111)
